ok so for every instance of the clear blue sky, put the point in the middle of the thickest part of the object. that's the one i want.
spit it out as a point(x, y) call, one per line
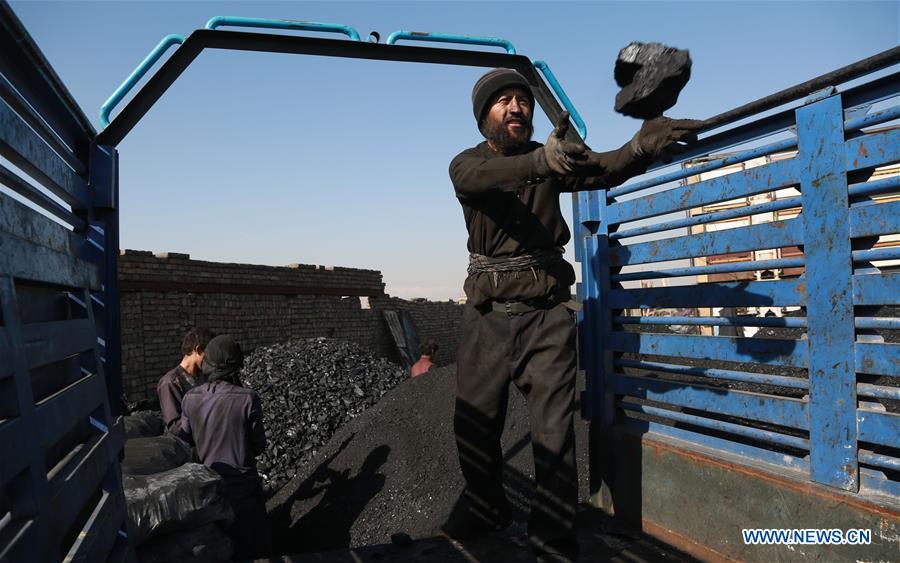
point(272, 159)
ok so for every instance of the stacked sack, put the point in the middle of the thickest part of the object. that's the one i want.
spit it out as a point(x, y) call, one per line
point(176, 510)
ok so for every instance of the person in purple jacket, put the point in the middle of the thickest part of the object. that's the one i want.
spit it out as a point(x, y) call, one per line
point(180, 379)
point(224, 421)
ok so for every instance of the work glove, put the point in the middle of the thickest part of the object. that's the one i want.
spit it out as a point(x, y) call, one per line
point(659, 138)
point(561, 154)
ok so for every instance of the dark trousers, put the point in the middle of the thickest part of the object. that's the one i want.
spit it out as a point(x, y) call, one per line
point(250, 529)
point(536, 351)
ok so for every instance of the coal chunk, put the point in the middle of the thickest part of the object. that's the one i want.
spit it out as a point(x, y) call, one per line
point(651, 76)
point(309, 389)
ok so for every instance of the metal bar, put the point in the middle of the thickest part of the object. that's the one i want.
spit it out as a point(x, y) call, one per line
point(136, 75)
point(876, 289)
point(26, 260)
point(683, 173)
point(299, 25)
point(74, 486)
point(885, 323)
point(791, 353)
point(875, 188)
point(877, 90)
point(713, 217)
point(720, 425)
point(829, 292)
point(730, 375)
point(200, 39)
point(780, 293)
point(742, 183)
point(714, 444)
point(878, 427)
point(878, 460)
point(26, 68)
point(878, 391)
point(788, 322)
point(872, 150)
point(23, 222)
point(752, 406)
point(99, 535)
point(21, 146)
point(878, 359)
point(714, 269)
point(57, 413)
point(876, 254)
point(875, 219)
point(775, 234)
point(50, 342)
point(21, 106)
point(451, 38)
point(17, 540)
point(865, 66)
point(876, 118)
point(32, 194)
point(34, 500)
point(13, 442)
point(562, 96)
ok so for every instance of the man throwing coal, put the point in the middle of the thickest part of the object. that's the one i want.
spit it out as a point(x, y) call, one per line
point(518, 324)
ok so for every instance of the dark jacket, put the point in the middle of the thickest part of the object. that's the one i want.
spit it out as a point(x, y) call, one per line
point(510, 209)
point(225, 422)
point(170, 390)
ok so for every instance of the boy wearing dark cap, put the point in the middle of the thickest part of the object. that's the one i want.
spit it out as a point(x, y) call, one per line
point(518, 324)
point(225, 422)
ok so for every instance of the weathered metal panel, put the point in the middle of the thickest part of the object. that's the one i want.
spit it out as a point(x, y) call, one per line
point(752, 406)
point(880, 359)
point(26, 260)
point(726, 374)
point(770, 352)
point(878, 427)
point(829, 302)
point(875, 219)
point(872, 150)
point(22, 222)
point(876, 289)
point(798, 465)
point(731, 294)
point(667, 487)
point(776, 234)
point(99, 535)
point(50, 342)
point(760, 179)
point(57, 413)
point(74, 488)
point(21, 146)
point(12, 444)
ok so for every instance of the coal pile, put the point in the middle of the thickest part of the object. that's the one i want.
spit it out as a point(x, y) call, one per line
point(395, 470)
point(309, 389)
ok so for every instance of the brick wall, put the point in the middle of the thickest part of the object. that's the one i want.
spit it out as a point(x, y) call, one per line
point(163, 295)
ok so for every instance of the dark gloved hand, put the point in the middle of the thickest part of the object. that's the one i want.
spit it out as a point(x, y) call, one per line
point(658, 138)
point(562, 155)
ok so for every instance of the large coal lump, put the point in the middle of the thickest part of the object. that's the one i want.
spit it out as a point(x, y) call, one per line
point(651, 76)
point(309, 389)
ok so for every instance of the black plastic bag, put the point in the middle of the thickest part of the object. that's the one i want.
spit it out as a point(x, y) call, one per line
point(143, 424)
point(184, 498)
point(206, 544)
point(146, 456)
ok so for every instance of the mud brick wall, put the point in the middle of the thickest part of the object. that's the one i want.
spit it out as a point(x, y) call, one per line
point(163, 295)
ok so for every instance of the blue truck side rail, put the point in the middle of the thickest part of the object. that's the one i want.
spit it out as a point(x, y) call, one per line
point(677, 266)
point(61, 495)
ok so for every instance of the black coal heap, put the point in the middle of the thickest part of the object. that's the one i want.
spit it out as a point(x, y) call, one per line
point(309, 389)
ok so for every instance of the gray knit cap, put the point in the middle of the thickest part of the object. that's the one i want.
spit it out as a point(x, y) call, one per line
point(493, 82)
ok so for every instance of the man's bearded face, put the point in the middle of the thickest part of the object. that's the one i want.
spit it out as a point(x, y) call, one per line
point(507, 125)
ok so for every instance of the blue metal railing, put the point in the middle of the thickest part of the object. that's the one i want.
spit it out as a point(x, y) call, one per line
point(835, 445)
